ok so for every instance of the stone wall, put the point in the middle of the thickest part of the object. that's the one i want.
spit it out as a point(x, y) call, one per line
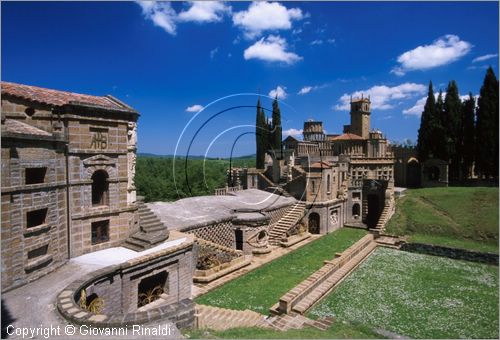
point(72, 142)
point(32, 247)
point(453, 253)
point(118, 287)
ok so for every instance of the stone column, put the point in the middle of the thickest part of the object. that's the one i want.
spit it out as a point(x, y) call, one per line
point(131, 161)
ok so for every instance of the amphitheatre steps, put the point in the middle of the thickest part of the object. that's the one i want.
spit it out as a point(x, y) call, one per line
point(151, 230)
point(219, 319)
point(303, 296)
point(285, 223)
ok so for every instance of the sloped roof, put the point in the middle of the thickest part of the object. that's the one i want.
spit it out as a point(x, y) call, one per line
point(320, 165)
point(291, 139)
point(348, 136)
point(59, 98)
point(18, 127)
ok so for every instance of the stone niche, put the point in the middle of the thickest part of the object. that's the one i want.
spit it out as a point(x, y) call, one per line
point(251, 231)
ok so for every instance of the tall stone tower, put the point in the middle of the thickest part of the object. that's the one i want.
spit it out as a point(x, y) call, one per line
point(360, 117)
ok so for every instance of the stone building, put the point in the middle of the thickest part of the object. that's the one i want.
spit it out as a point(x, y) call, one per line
point(343, 179)
point(68, 167)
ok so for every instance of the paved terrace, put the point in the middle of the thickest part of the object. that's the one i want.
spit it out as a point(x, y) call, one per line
point(33, 305)
point(203, 210)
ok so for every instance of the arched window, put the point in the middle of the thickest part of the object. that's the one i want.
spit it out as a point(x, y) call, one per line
point(100, 187)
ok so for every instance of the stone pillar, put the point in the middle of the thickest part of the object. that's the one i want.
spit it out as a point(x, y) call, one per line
point(131, 161)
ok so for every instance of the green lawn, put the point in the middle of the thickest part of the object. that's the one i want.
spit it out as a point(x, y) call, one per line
point(419, 296)
point(260, 289)
point(339, 330)
point(455, 217)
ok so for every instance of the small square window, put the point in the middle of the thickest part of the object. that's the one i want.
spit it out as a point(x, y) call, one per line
point(35, 175)
point(36, 217)
point(100, 232)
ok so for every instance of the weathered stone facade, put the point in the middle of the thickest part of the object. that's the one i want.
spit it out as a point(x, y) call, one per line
point(67, 188)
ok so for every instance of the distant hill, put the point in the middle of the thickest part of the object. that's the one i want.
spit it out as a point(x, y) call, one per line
point(152, 155)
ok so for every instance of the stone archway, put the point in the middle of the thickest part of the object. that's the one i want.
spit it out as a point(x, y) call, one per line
point(356, 210)
point(374, 210)
point(412, 173)
point(314, 223)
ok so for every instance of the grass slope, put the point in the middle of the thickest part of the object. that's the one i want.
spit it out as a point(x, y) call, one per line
point(419, 296)
point(260, 289)
point(339, 330)
point(455, 217)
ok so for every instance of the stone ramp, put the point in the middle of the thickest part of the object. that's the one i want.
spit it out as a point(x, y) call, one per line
point(303, 296)
point(219, 319)
point(289, 220)
point(151, 230)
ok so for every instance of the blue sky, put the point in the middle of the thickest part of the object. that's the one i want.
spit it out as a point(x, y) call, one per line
point(168, 60)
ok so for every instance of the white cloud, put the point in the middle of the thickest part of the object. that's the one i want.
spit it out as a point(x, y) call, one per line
point(305, 90)
point(204, 11)
point(292, 132)
point(484, 57)
point(194, 108)
point(163, 15)
point(382, 97)
point(214, 52)
point(297, 31)
point(317, 42)
point(331, 40)
point(262, 16)
point(279, 91)
point(442, 51)
point(418, 108)
point(273, 49)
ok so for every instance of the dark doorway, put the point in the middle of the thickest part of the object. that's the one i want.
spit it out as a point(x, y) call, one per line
point(100, 188)
point(433, 173)
point(238, 234)
point(373, 210)
point(314, 223)
point(413, 174)
point(355, 210)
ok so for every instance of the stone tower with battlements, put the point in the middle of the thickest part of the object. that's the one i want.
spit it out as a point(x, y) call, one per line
point(360, 117)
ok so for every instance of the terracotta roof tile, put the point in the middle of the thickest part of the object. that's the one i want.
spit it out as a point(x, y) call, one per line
point(60, 98)
point(17, 127)
point(320, 165)
point(348, 136)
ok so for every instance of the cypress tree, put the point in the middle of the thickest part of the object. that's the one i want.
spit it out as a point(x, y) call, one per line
point(467, 149)
point(487, 127)
point(439, 138)
point(452, 117)
point(259, 132)
point(276, 126)
point(425, 130)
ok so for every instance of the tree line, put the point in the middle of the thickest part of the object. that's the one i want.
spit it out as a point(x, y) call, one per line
point(267, 132)
point(158, 179)
point(463, 133)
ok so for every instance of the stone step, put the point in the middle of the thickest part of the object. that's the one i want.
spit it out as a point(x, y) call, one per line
point(151, 238)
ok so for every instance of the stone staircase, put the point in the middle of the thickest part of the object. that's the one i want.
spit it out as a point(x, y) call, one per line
point(290, 219)
point(286, 322)
point(307, 293)
point(324, 288)
point(219, 319)
point(384, 217)
point(151, 230)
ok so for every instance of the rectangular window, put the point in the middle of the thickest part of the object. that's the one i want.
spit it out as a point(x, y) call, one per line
point(100, 232)
point(35, 175)
point(38, 252)
point(36, 217)
point(356, 195)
